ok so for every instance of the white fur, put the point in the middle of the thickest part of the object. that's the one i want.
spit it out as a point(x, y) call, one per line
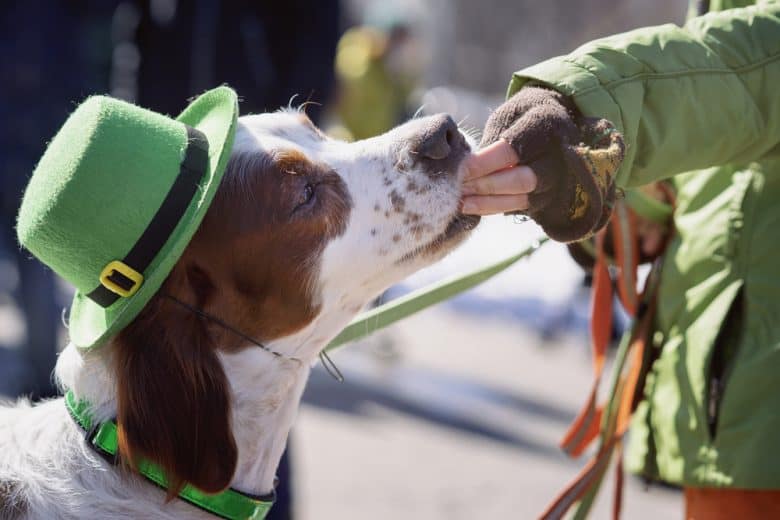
point(42, 452)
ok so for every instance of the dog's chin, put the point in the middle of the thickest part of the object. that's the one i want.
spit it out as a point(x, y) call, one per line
point(457, 230)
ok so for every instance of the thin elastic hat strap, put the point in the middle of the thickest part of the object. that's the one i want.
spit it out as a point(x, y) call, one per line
point(328, 363)
point(226, 326)
point(164, 221)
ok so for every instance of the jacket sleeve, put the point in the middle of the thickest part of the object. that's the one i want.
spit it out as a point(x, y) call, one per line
point(684, 98)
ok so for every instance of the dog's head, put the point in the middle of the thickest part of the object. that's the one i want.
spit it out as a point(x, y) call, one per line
point(304, 231)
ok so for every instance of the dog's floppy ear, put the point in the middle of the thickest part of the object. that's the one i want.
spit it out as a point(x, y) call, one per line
point(173, 396)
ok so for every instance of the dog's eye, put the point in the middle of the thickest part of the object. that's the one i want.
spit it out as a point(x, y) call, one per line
point(307, 196)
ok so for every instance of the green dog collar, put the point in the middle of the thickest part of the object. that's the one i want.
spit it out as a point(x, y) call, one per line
point(229, 504)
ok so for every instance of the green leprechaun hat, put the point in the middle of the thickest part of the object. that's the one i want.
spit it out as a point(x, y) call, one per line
point(116, 198)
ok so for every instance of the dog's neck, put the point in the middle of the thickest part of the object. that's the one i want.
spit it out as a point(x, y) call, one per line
point(265, 391)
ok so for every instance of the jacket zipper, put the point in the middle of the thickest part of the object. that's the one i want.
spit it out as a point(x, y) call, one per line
point(715, 392)
point(723, 352)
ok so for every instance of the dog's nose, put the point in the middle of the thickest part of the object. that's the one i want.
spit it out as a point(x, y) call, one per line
point(440, 139)
point(436, 145)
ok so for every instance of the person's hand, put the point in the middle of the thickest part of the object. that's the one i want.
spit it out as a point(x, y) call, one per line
point(495, 183)
point(565, 180)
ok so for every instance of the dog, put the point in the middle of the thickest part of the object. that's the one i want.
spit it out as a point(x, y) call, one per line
point(303, 233)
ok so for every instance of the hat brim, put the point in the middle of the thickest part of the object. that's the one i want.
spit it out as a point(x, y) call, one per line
point(215, 114)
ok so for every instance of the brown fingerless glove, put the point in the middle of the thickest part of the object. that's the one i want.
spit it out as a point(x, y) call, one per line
point(574, 157)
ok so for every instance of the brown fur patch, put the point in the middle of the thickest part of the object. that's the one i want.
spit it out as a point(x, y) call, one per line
point(252, 264)
point(173, 403)
point(259, 246)
point(291, 161)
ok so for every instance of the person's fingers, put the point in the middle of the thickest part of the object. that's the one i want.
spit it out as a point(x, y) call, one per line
point(496, 156)
point(490, 204)
point(514, 181)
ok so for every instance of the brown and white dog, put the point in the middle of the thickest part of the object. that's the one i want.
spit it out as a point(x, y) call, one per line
point(303, 233)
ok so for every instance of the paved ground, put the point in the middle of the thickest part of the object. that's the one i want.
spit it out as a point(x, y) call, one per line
point(462, 424)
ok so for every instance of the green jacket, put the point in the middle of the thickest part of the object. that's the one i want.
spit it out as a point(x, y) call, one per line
point(702, 99)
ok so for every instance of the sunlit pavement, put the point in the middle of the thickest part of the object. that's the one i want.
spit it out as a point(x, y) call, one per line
point(457, 411)
point(463, 425)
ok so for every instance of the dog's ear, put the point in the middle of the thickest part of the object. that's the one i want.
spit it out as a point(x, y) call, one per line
point(173, 402)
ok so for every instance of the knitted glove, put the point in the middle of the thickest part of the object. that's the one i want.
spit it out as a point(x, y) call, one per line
point(574, 157)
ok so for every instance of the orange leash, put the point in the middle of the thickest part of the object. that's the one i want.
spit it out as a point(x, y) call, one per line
point(614, 427)
point(612, 419)
point(626, 241)
point(586, 425)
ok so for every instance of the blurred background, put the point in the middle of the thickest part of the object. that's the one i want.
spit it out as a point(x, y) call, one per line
point(453, 413)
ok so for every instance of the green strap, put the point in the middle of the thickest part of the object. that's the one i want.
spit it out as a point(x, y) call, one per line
point(229, 504)
point(400, 308)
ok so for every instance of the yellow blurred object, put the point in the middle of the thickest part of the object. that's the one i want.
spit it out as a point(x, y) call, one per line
point(357, 49)
point(372, 99)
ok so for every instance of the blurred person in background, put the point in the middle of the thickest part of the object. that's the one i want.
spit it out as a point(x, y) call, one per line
point(377, 68)
point(701, 99)
point(52, 54)
point(272, 53)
